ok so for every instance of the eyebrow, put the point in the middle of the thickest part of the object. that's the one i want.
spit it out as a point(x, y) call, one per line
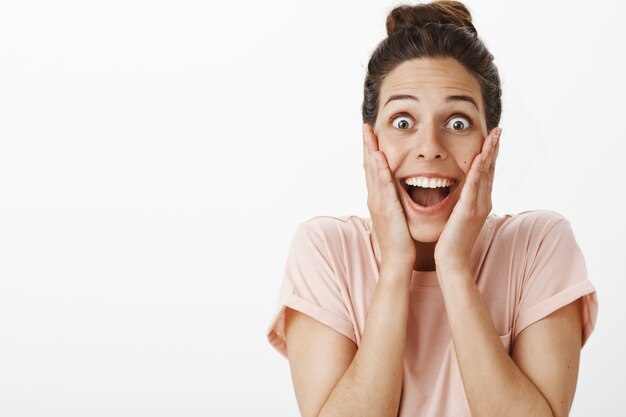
point(401, 97)
point(462, 98)
point(448, 99)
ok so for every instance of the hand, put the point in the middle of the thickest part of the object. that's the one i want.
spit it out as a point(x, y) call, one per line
point(455, 244)
point(388, 218)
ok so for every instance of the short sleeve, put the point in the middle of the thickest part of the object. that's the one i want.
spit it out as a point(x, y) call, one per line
point(310, 284)
point(556, 275)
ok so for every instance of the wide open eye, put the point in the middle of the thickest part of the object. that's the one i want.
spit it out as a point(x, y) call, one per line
point(459, 123)
point(402, 123)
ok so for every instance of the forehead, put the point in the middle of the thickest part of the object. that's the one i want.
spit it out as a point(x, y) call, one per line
point(430, 78)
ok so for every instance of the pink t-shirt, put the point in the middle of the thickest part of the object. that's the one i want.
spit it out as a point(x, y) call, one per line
point(526, 266)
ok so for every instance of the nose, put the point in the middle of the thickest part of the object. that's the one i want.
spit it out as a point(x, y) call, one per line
point(428, 144)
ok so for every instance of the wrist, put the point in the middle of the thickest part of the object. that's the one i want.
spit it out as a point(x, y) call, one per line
point(450, 269)
point(396, 263)
point(396, 272)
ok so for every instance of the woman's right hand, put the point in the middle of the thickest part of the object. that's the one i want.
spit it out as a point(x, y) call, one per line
point(388, 219)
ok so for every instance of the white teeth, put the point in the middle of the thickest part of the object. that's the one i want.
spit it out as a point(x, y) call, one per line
point(429, 182)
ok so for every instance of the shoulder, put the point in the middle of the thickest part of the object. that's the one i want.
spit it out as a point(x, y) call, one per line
point(532, 225)
point(332, 228)
point(341, 240)
point(534, 219)
point(522, 236)
point(541, 243)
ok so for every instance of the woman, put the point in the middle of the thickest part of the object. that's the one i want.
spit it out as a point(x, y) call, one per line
point(433, 307)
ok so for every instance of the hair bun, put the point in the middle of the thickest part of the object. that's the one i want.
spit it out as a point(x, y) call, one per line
point(406, 16)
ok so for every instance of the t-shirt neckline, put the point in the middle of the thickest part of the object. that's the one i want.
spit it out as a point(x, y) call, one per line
point(418, 278)
point(424, 279)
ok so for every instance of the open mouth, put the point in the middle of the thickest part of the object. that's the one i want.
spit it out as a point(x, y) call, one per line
point(428, 192)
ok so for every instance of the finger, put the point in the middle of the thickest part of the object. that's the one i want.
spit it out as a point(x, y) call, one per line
point(489, 160)
point(383, 172)
point(379, 168)
point(481, 171)
point(493, 150)
point(477, 183)
point(389, 198)
point(377, 174)
point(484, 202)
point(496, 148)
point(471, 186)
point(368, 160)
point(365, 146)
point(487, 151)
point(374, 139)
point(368, 157)
point(492, 168)
point(495, 155)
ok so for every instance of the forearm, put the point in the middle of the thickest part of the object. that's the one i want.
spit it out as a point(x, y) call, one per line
point(372, 384)
point(493, 383)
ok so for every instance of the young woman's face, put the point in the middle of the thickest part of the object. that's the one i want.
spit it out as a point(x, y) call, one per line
point(431, 124)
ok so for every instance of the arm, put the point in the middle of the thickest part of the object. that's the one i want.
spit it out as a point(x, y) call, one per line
point(540, 377)
point(332, 378)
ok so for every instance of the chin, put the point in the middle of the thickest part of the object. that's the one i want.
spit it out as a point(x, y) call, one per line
point(427, 232)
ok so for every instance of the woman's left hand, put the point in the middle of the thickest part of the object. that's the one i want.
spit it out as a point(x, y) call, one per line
point(455, 244)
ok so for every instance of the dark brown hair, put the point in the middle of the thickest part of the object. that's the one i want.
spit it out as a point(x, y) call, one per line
point(435, 30)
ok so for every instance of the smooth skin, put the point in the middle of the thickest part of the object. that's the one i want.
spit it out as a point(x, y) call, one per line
point(412, 135)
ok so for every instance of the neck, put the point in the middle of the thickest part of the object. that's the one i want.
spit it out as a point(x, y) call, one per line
point(424, 256)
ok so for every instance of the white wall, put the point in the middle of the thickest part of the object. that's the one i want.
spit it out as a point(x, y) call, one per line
point(156, 157)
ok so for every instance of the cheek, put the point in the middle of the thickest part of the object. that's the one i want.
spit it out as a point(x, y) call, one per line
point(464, 157)
point(392, 153)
